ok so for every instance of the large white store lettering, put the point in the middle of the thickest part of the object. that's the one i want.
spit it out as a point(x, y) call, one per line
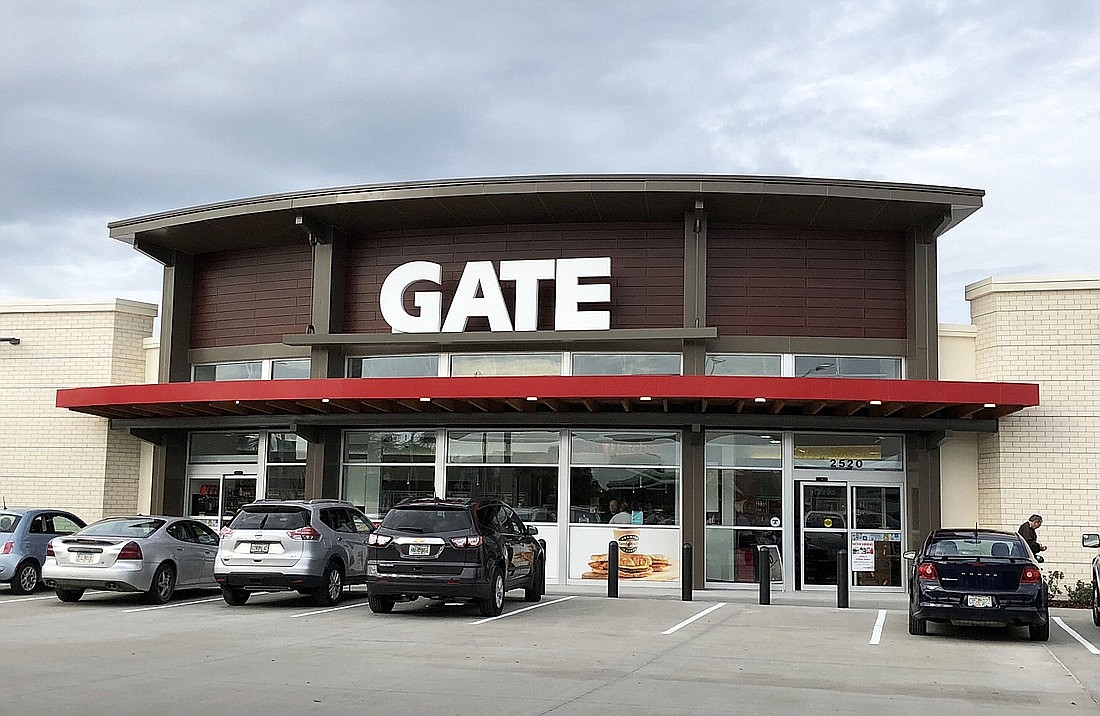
point(479, 295)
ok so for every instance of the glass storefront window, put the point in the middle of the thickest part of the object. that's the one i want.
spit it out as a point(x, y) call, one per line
point(528, 446)
point(623, 477)
point(626, 364)
point(410, 366)
point(732, 555)
point(251, 370)
point(477, 364)
point(846, 367)
point(839, 451)
point(223, 447)
point(744, 497)
point(291, 369)
point(286, 469)
point(744, 450)
point(743, 364)
point(519, 467)
point(382, 468)
point(877, 508)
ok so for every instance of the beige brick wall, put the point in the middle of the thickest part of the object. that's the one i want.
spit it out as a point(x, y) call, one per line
point(1044, 459)
point(55, 457)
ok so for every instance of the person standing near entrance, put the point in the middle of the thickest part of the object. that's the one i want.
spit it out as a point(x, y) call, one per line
point(1027, 531)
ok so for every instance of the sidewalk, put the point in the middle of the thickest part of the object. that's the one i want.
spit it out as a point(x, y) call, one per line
point(809, 598)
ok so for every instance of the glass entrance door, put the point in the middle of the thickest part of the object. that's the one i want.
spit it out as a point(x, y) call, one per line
point(824, 521)
point(876, 536)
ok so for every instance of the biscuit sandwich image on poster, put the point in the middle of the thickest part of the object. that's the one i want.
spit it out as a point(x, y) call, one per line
point(645, 554)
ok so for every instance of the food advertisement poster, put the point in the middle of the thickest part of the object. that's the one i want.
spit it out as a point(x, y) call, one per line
point(863, 556)
point(646, 554)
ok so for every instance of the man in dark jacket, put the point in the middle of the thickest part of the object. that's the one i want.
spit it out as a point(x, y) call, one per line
point(1027, 531)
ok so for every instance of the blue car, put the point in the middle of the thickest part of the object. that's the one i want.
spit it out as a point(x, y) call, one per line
point(24, 534)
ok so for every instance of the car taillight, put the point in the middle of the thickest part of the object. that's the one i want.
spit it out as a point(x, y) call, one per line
point(466, 542)
point(8, 546)
point(131, 550)
point(225, 532)
point(927, 571)
point(378, 540)
point(306, 533)
point(49, 548)
point(1031, 575)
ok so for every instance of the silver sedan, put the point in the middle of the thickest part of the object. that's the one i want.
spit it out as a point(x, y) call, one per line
point(149, 554)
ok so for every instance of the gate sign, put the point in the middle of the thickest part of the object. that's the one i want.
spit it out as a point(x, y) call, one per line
point(479, 295)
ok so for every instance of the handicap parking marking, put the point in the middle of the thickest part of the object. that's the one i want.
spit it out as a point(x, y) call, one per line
point(173, 604)
point(1084, 642)
point(876, 633)
point(26, 599)
point(525, 609)
point(700, 615)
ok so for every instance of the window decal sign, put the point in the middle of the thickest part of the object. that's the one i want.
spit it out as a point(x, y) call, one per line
point(479, 295)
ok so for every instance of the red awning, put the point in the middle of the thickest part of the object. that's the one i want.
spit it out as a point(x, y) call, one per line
point(557, 394)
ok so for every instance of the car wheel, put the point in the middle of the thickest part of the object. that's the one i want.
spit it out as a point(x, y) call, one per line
point(917, 627)
point(380, 605)
point(70, 595)
point(1039, 632)
point(493, 605)
point(534, 592)
point(26, 578)
point(234, 597)
point(1095, 602)
point(331, 588)
point(163, 586)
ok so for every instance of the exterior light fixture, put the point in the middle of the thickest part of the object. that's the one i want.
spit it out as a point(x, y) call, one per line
point(13, 341)
point(532, 398)
point(759, 400)
point(324, 400)
point(646, 398)
point(875, 402)
point(991, 405)
point(425, 400)
point(236, 402)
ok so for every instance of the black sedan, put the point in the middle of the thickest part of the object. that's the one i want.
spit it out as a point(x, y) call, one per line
point(977, 577)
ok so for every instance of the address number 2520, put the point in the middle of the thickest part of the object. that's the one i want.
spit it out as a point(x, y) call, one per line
point(846, 464)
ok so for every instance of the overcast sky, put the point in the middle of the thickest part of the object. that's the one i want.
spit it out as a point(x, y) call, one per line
point(111, 110)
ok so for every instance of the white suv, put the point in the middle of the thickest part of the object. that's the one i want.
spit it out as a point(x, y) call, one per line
point(313, 546)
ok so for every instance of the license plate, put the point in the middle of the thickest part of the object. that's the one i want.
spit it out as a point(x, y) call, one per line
point(419, 550)
point(84, 558)
point(979, 600)
point(259, 548)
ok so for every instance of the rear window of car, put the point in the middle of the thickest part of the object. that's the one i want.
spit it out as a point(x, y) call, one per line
point(979, 546)
point(427, 520)
point(270, 518)
point(8, 523)
point(136, 527)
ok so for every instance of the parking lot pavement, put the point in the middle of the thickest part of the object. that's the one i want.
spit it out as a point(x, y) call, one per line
point(574, 653)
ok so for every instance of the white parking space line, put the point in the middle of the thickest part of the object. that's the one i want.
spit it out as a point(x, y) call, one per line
point(525, 609)
point(330, 609)
point(173, 604)
point(876, 633)
point(1084, 642)
point(26, 599)
point(700, 615)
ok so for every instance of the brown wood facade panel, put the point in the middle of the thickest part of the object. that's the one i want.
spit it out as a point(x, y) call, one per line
point(251, 295)
point(788, 282)
point(647, 268)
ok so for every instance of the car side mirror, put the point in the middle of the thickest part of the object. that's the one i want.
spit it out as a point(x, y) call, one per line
point(909, 554)
point(1090, 539)
point(1039, 558)
point(532, 530)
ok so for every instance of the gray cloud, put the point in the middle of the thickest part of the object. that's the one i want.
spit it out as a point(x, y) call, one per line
point(112, 110)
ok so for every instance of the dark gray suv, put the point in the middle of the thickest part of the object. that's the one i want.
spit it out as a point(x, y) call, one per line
point(469, 549)
point(313, 546)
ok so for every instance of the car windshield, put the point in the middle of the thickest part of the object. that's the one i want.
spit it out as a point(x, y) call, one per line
point(427, 520)
point(8, 523)
point(270, 518)
point(125, 527)
point(980, 545)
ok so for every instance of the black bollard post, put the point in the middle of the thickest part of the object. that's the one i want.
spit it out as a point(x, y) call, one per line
point(842, 579)
point(613, 569)
point(687, 580)
point(764, 573)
